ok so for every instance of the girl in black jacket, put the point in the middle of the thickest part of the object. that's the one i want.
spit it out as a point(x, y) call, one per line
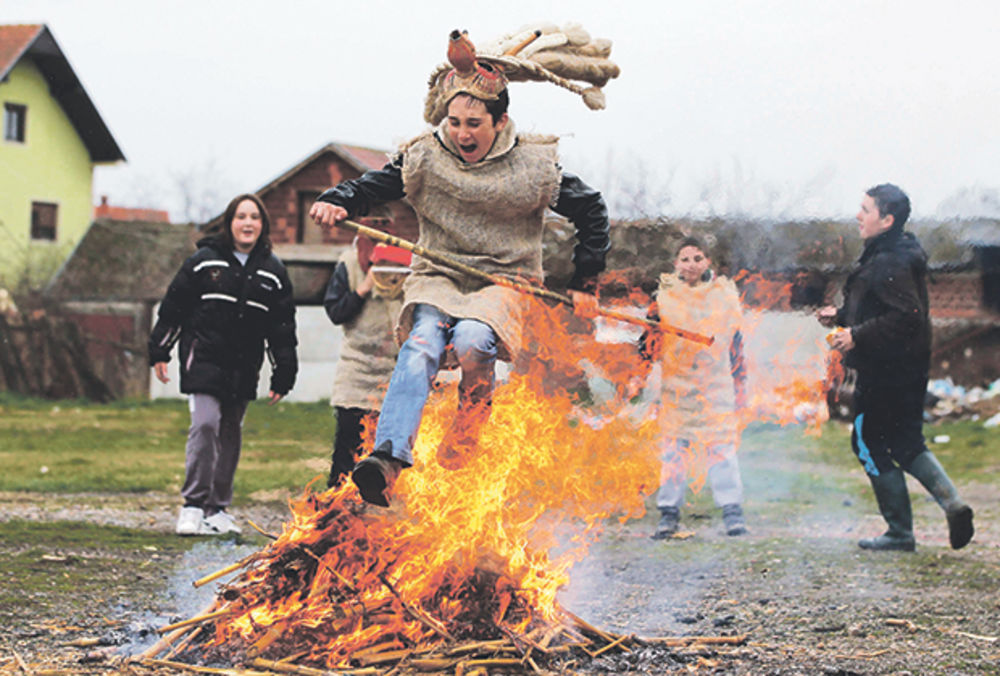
point(227, 300)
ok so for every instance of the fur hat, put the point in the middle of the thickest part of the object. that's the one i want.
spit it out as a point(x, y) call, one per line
point(563, 56)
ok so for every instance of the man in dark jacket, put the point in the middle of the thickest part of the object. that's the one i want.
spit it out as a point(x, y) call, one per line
point(886, 337)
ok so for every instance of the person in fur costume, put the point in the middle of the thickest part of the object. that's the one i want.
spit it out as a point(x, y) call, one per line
point(703, 387)
point(480, 190)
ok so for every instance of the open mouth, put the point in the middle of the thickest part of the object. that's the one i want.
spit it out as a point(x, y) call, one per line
point(468, 149)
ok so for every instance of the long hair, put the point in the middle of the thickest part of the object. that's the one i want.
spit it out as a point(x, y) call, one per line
point(226, 233)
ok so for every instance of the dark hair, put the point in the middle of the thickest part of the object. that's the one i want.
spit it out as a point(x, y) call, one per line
point(692, 241)
point(891, 200)
point(496, 108)
point(226, 233)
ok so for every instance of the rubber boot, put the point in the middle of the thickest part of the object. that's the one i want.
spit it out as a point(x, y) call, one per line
point(670, 518)
point(929, 472)
point(894, 504)
point(733, 520)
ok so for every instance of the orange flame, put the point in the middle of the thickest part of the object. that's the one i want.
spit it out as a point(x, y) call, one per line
point(484, 549)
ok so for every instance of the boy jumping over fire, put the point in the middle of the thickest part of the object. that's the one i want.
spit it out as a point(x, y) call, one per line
point(886, 337)
point(480, 191)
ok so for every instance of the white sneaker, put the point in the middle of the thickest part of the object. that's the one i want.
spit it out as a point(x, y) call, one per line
point(189, 520)
point(219, 524)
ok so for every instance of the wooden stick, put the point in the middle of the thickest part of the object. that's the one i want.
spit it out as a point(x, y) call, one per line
point(221, 573)
point(496, 644)
point(272, 634)
point(184, 667)
point(285, 668)
point(448, 261)
point(261, 530)
point(611, 645)
point(195, 620)
point(583, 624)
point(387, 656)
point(343, 580)
point(435, 625)
point(161, 645)
point(184, 643)
point(432, 664)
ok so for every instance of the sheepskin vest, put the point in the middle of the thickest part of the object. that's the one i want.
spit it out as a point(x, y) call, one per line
point(698, 399)
point(487, 215)
point(368, 350)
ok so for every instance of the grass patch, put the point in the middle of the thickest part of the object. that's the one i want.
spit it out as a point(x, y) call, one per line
point(39, 562)
point(79, 447)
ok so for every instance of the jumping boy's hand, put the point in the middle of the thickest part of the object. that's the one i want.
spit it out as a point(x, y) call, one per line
point(160, 369)
point(326, 214)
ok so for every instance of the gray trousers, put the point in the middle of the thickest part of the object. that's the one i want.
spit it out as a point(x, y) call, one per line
point(213, 450)
point(723, 476)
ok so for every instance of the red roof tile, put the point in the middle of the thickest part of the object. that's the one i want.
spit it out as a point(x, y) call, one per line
point(369, 157)
point(14, 41)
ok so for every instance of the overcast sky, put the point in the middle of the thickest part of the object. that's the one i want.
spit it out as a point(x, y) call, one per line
point(777, 108)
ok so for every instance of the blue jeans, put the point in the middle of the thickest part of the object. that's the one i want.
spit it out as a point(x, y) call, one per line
point(419, 361)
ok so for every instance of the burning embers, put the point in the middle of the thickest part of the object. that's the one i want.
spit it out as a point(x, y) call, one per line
point(462, 573)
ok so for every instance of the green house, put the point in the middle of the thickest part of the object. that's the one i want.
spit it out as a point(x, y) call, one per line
point(53, 137)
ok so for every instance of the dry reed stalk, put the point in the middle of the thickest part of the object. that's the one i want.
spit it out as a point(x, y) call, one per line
point(83, 643)
point(583, 624)
point(387, 656)
point(198, 619)
point(285, 668)
point(432, 664)
point(225, 571)
point(261, 530)
point(614, 644)
point(418, 613)
point(183, 643)
point(394, 644)
point(168, 664)
point(496, 644)
point(494, 662)
point(272, 634)
point(343, 580)
point(549, 635)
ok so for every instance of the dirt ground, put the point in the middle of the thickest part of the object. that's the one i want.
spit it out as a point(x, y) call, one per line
point(806, 598)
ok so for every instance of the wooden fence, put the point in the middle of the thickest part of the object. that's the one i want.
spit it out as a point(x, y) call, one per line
point(46, 356)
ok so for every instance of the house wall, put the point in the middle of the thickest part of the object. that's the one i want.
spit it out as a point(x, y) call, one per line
point(318, 352)
point(53, 166)
point(115, 335)
point(325, 171)
point(956, 294)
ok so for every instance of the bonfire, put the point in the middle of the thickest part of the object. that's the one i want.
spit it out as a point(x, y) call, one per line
point(462, 573)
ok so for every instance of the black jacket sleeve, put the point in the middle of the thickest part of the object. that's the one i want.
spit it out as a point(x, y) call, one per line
point(281, 340)
point(370, 189)
point(586, 209)
point(341, 302)
point(177, 306)
point(896, 289)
